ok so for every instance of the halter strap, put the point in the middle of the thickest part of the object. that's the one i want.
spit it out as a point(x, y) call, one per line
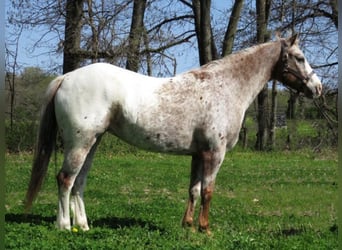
point(287, 69)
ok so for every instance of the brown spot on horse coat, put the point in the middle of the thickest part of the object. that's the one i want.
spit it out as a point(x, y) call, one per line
point(201, 74)
point(63, 180)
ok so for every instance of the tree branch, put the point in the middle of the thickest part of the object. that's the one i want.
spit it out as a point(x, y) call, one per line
point(158, 26)
point(169, 45)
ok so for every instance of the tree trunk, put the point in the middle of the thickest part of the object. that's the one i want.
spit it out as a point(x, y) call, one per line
point(231, 29)
point(94, 31)
point(262, 96)
point(262, 119)
point(273, 116)
point(135, 35)
point(148, 54)
point(206, 46)
point(291, 106)
point(244, 136)
point(72, 39)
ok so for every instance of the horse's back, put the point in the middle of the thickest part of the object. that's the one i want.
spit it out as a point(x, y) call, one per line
point(104, 77)
point(89, 95)
point(159, 114)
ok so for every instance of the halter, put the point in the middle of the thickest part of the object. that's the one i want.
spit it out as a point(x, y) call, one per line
point(304, 79)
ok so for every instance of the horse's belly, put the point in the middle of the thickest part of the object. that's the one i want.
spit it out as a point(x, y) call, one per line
point(154, 140)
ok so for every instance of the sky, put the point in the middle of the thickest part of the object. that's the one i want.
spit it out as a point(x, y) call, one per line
point(186, 58)
point(40, 57)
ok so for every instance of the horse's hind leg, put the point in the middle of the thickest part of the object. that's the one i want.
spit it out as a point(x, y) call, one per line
point(74, 158)
point(76, 202)
point(194, 190)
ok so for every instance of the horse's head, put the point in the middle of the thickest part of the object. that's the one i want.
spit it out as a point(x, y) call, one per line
point(294, 71)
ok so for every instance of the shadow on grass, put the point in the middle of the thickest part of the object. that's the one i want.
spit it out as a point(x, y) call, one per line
point(109, 222)
point(116, 223)
point(29, 218)
point(292, 232)
point(302, 230)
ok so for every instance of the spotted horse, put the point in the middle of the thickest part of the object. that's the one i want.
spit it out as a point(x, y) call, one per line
point(197, 113)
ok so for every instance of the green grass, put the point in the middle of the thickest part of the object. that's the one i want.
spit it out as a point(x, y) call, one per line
point(279, 200)
point(296, 135)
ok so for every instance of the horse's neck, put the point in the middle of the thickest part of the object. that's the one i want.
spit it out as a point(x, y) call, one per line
point(250, 70)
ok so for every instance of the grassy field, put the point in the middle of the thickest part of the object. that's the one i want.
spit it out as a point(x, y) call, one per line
point(279, 200)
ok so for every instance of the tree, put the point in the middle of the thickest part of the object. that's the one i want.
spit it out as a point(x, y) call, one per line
point(228, 41)
point(12, 67)
point(108, 30)
point(206, 45)
point(273, 116)
point(135, 35)
point(262, 7)
point(72, 37)
point(90, 31)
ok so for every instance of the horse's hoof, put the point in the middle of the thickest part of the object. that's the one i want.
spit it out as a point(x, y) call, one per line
point(205, 230)
point(187, 222)
point(84, 228)
point(63, 227)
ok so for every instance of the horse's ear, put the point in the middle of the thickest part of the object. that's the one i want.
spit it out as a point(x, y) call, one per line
point(293, 40)
point(277, 35)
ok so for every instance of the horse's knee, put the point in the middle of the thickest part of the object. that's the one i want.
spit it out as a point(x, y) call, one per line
point(195, 190)
point(72, 165)
point(207, 192)
point(63, 180)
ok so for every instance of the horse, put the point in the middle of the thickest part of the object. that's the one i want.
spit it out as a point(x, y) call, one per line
point(197, 113)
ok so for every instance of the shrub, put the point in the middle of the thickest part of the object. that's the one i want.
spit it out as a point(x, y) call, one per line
point(21, 135)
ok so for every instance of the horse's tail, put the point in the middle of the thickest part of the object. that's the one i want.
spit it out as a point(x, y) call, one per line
point(45, 145)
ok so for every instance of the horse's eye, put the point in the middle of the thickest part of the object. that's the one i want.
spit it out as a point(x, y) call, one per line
point(300, 59)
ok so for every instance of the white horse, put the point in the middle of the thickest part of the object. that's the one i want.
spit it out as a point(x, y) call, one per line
point(197, 113)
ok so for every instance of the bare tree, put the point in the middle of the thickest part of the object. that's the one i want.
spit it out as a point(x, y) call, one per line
point(91, 31)
point(229, 38)
point(273, 116)
point(72, 40)
point(11, 70)
point(262, 14)
point(103, 31)
point(206, 45)
point(135, 35)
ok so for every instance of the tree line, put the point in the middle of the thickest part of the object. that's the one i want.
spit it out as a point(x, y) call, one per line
point(145, 36)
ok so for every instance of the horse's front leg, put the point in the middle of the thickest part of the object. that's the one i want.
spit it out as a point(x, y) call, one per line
point(203, 220)
point(211, 163)
point(194, 190)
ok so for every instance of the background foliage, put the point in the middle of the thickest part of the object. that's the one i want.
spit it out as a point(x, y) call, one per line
point(155, 38)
